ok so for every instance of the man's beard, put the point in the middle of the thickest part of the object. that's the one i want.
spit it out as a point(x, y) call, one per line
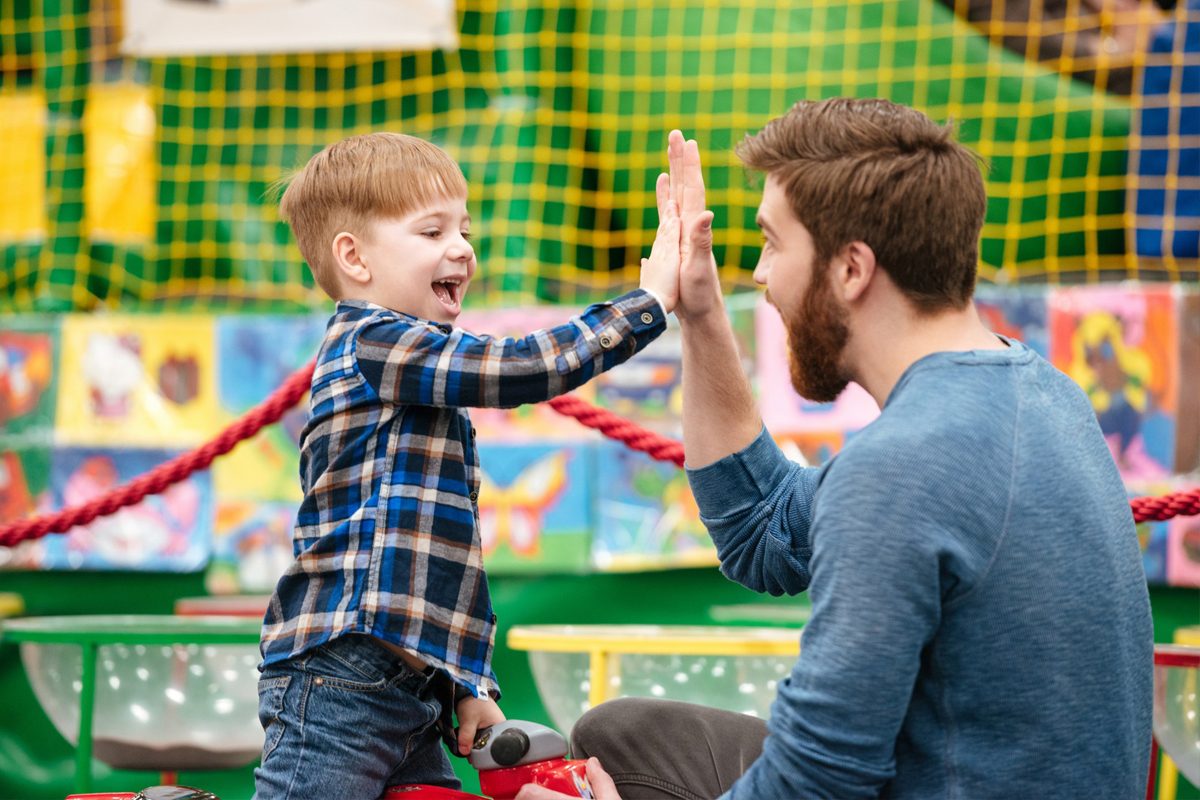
point(817, 335)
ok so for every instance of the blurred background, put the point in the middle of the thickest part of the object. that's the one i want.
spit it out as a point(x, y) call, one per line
point(149, 294)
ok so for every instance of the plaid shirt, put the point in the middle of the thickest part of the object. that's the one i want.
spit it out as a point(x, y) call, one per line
point(387, 536)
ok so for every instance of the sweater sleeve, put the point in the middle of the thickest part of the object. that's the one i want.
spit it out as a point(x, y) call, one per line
point(421, 364)
point(757, 506)
point(876, 603)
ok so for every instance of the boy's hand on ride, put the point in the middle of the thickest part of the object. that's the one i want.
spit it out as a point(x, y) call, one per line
point(699, 287)
point(602, 785)
point(660, 272)
point(474, 713)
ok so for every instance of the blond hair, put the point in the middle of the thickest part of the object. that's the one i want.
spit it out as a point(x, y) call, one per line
point(357, 181)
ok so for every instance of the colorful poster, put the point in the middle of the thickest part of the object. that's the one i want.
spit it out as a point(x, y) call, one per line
point(137, 381)
point(783, 410)
point(810, 449)
point(647, 389)
point(1183, 552)
point(1015, 312)
point(646, 516)
point(24, 492)
point(1187, 438)
point(1120, 344)
point(535, 513)
point(170, 531)
point(28, 354)
point(529, 423)
point(256, 354)
point(252, 546)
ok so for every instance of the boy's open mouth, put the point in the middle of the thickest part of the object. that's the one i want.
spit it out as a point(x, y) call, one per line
point(449, 292)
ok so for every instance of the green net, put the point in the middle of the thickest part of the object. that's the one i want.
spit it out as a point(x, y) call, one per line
point(140, 183)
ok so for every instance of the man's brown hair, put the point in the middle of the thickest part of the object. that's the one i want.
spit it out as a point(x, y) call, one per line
point(359, 180)
point(883, 174)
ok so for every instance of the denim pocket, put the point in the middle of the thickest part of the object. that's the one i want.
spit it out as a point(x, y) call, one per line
point(354, 664)
point(271, 692)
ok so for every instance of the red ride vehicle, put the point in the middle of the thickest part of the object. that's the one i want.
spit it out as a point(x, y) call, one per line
point(508, 756)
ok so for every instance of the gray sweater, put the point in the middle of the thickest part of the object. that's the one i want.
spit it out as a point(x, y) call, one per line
point(980, 620)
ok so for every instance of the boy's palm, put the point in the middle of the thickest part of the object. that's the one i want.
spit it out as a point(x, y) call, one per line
point(660, 272)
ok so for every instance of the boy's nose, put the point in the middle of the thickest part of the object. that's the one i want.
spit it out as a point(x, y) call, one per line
point(462, 251)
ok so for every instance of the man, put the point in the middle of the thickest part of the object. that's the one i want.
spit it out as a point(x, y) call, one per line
point(980, 621)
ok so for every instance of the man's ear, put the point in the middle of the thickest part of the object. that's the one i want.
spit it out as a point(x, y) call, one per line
point(854, 269)
point(349, 258)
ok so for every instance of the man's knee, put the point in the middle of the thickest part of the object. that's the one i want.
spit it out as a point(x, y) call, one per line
point(617, 722)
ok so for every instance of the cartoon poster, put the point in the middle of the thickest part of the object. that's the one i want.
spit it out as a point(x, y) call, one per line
point(170, 531)
point(783, 410)
point(28, 353)
point(1119, 343)
point(535, 513)
point(256, 354)
point(810, 449)
point(1187, 438)
point(647, 389)
point(24, 492)
point(1183, 552)
point(252, 546)
point(1016, 312)
point(1152, 536)
point(141, 381)
point(646, 516)
point(528, 423)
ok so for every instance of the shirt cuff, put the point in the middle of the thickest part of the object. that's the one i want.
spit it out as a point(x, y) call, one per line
point(661, 304)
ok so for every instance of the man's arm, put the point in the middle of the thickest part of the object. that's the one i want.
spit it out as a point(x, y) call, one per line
point(719, 413)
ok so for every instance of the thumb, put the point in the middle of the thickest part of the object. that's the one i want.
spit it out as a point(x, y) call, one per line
point(700, 234)
point(466, 736)
point(601, 782)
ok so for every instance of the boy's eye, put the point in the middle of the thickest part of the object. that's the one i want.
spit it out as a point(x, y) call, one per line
point(466, 235)
point(432, 233)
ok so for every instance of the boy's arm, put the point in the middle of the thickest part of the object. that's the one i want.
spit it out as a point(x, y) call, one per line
point(423, 365)
point(418, 364)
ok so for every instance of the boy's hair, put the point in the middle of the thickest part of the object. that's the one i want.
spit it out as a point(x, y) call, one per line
point(357, 181)
point(883, 174)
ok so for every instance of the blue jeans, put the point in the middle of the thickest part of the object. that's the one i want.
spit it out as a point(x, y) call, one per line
point(348, 719)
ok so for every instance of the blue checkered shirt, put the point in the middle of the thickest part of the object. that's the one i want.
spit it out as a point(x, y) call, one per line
point(387, 536)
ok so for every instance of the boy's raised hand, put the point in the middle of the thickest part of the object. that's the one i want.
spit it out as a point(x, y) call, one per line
point(660, 272)
point(699, 286)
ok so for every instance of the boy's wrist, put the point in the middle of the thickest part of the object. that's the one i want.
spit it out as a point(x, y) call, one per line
point(658, 297)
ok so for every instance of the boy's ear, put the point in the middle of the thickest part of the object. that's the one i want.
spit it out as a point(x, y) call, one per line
point(349, 257)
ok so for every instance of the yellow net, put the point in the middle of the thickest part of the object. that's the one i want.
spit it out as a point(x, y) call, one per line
point(139, 183)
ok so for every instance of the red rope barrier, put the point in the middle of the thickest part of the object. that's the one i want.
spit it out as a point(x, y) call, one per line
point(660, 448)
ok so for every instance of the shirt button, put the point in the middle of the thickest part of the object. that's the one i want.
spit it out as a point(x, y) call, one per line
point(606, 341)
point(647, 317)
point(474, 497)
point(472, 431)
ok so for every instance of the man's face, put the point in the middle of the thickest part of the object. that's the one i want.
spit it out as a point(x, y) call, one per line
point(798, 286)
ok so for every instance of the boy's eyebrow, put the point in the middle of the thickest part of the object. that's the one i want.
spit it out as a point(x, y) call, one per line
point(442, 215)
point(762, 223)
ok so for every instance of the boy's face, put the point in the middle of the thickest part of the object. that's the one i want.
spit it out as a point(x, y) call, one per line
point(421, 264)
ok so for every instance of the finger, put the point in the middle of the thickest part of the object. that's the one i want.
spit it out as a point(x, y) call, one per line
point(675, 163)
point(601, 782)
point(532, 791)
point(466, 737)
point(699, 233)
point(691, 198)
point(662, 194)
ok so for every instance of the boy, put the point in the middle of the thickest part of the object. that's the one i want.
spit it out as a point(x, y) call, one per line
point(383, 625)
